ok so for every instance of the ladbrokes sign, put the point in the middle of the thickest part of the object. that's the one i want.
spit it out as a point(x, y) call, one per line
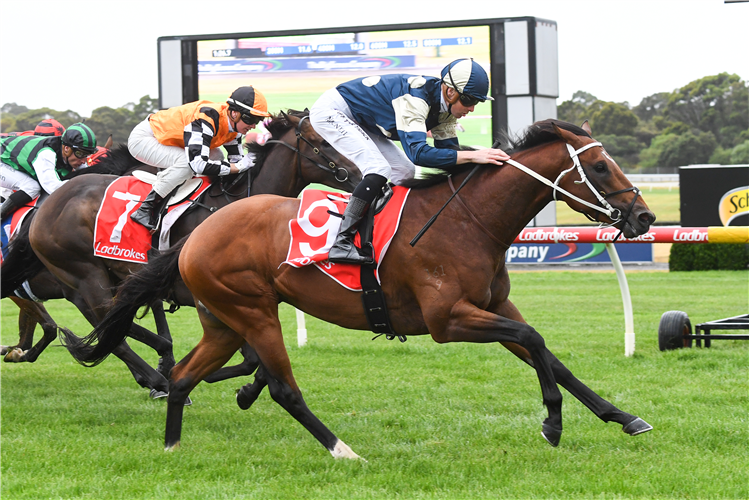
point(714, 195)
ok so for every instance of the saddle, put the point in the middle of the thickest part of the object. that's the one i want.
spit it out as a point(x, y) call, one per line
point(181, 192)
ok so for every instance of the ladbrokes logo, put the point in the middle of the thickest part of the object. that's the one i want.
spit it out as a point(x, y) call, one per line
point(733, 205)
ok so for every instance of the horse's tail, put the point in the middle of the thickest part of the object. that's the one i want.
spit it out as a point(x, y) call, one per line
point(21, 263)
point(152, 282)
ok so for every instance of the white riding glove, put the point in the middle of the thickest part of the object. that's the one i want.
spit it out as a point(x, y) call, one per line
point(247, 162)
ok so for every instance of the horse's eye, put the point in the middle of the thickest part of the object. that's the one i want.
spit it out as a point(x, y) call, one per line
point(600, 167)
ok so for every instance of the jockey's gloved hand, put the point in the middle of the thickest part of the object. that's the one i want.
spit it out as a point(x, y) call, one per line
point(246, 162)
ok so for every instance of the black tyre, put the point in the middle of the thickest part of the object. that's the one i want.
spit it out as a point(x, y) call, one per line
point(673, 327)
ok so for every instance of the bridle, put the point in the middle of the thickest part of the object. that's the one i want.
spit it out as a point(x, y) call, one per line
point(331, 167)
point(612, 213)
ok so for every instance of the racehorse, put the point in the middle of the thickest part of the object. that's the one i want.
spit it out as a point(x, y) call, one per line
point(62, 231)
point(238, 279)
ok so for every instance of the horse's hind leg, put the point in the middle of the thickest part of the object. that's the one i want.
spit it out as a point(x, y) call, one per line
point(218, 345)
point(603, 409)
point(248, 365)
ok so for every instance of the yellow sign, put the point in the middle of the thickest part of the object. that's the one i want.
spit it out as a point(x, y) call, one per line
point(733, 204)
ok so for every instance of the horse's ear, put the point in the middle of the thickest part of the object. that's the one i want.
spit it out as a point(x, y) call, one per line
point(586, 126)
point(285, 117)
point(108, 144)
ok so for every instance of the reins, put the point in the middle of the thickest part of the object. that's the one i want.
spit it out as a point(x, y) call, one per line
point(605, 209)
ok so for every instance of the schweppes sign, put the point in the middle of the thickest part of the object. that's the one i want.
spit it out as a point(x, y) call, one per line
point(734, 207)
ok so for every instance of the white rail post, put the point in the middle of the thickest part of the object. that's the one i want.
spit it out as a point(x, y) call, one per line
point(629, 323)
point(301, 329)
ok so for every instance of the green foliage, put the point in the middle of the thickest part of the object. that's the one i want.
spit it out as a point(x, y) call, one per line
point(12, 109)
point(29, 119)
point(613, 118)
point(700, 122)
point(7, 123)
point(740, 154)
point(717, 104)
point(717, 256)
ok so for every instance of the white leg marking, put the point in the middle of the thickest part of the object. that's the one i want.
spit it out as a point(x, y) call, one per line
point(342, 450)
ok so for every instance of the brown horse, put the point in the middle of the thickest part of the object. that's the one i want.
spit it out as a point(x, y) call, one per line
point(238, 279)
point(62, 231)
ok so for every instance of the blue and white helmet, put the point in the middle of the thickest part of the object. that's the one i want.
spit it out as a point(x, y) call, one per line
point(468, 78)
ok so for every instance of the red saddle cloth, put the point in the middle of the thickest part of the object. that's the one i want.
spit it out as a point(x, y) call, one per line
point(314, 231)
point(118, 237)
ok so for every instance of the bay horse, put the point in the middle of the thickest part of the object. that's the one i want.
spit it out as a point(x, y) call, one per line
point(62, 232)
point(238, 279)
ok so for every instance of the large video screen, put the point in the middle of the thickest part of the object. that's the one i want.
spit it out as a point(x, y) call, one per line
point(293, 71)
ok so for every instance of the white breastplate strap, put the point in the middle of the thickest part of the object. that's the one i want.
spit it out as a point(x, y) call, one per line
point(606, 209)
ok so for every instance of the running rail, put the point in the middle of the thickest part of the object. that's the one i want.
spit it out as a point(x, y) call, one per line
point(658, 234)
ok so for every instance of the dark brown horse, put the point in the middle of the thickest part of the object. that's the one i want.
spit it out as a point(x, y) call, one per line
point(239, 281)
point(62, 231)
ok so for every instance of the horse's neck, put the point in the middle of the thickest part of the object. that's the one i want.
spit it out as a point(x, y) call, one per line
point(279, 174)
point(513, 197)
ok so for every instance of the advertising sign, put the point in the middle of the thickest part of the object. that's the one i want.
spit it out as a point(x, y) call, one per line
point(714, 195)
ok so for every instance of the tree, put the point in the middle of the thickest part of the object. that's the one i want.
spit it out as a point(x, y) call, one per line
point(740, 154)
point(576, 110)
point(687, 149)
point(717, 104)
point(651, 106)
point(613, 118)
point(625, 149)
point(13, 109)
point(29, 119)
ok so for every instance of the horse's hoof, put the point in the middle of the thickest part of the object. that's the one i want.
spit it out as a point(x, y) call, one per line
point(4, 349)
point(188, 401)
point(342, 450)
point(157, 394)
point(171, 447)
point(245, 398)
point(15, 356)
point(637, 426)
point(551, 434)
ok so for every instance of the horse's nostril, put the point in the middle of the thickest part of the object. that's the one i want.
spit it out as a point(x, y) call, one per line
point(647, 217)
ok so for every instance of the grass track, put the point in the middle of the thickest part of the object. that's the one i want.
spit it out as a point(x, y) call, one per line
point(434, 421)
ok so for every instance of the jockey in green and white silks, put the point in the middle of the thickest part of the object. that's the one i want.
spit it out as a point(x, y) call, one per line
point(361, 119)
point(30, 164)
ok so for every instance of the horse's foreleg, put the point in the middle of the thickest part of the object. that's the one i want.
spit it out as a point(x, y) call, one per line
point(468, 323)
point(31, 314)
point(603, 409)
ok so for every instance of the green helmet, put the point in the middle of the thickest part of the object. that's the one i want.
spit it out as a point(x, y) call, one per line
point(80, 136)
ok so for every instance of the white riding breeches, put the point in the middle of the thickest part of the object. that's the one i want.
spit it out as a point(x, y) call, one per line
point(15, 180)
point(371, 153)
point(144, 146)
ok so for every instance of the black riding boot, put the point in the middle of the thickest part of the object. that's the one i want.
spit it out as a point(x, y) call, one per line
point(148, 213)
point(343, 250)
point(13, 203)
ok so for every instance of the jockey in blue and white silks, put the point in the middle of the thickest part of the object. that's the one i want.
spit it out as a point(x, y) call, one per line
point(361, 119)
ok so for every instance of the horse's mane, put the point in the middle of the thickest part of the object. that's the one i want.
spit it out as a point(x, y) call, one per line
point(277, 126)
point(539, 133)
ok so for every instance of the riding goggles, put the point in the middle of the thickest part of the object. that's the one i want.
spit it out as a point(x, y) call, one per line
point(82, 153)
point(251, 119)
point(468, 101)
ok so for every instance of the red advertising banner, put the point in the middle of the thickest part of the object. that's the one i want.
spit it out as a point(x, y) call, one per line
point(657, 234)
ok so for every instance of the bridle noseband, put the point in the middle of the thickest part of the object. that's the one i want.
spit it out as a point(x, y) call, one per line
point(330, 167)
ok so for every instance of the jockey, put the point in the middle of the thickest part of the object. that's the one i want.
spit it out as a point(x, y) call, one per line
point(361, 119)
point(184, 141)
point(29, 164)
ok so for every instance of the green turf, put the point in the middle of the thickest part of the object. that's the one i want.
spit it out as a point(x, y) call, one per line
point(453, 421)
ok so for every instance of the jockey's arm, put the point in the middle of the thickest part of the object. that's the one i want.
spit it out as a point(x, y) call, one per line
point(410, 120)
point(198, 136)
point(44, 166)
